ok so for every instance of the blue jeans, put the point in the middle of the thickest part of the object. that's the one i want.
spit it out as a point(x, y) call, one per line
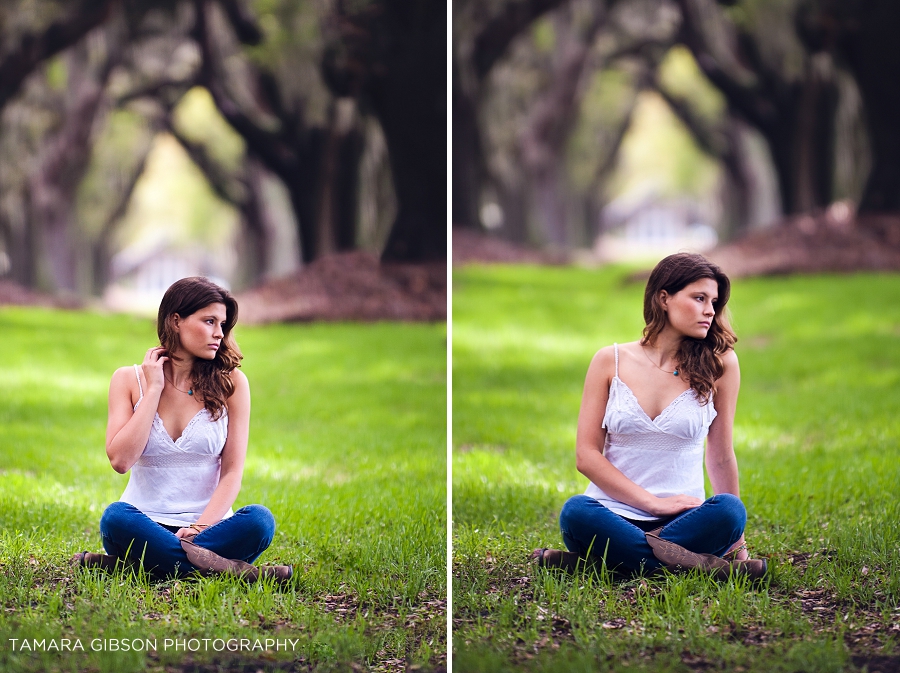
point(129, 533)
point(710, 528)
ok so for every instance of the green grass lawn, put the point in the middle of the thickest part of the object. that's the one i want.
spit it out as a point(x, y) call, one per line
point(347, 448)
point(816, 436)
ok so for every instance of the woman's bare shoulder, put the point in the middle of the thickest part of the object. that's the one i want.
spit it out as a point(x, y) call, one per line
point(241, 383)
point(604, 360)
point(730, 359)
point(124, 375)
point(124, 385)
point(629, 349)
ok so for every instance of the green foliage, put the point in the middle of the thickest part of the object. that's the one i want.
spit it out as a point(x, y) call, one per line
point(347, 448)
point(680, 76)
point(816, 437)
point(543, 35)
point(123, 142)
point(174, 203)
point(607, 101)
point(772, 25)
point(198, 118)
point(658, 151)
point(57, 73)
point(292, 47)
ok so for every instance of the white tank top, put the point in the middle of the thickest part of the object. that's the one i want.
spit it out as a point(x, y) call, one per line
point(173, 481)
point(663, 455)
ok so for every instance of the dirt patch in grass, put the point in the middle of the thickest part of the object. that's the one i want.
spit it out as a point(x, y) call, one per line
point(878, 663)
point(350, 286)
point(861, 627)
point(418, 622)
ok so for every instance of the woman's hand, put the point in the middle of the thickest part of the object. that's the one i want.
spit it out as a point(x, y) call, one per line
point(186, 534)
point(153, 368)
point(674, 504)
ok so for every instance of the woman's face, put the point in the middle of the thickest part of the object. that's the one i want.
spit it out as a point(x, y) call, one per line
point(691, 310)
point(201, 333)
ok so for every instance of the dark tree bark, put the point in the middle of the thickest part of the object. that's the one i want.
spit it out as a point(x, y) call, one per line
point(721, 141)
point(243, 191)
point(471, 65)
point(596, 198)
point(795, 118)
point(81, 17)
point(318, 166)
point(867, 40)
point(292, 151)
point(392, 57)
point(553, 115)
point(64, 161)
point(339, 179)
point(101, 248)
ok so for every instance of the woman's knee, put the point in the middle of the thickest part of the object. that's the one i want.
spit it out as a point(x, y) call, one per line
point(574, 510)
point(260, 520)
point(115, 516)
point(731, 509)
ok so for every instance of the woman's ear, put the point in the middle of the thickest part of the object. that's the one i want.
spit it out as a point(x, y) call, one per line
point(176, 321)
point(663, 299)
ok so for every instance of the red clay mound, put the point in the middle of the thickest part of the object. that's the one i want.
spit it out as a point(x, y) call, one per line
point(350, 286)
point(815, 244)
point(474, 247)
point(16, 295)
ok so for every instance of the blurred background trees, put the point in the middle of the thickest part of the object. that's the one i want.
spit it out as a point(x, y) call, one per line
point(235, 138)
point(575, 117)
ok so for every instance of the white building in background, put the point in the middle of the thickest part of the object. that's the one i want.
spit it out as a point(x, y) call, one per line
point(651, 227)
point(140, 275)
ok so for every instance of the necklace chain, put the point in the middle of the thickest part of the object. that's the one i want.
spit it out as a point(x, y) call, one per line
point(186, 392)
point(675, 373)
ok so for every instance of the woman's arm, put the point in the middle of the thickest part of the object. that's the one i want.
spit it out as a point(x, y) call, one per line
point(721, 465)
point(127, 428)
point(591, 438)
point(233, 454)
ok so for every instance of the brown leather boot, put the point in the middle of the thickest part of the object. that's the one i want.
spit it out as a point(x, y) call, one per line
point(675, 557)
point(210, 563)
point(558, 558)
point(105, 562)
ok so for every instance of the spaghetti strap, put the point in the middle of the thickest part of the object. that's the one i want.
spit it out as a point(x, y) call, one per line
point(137, 373)
point(615, 348)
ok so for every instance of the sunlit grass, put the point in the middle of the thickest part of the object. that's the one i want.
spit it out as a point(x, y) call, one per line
point(816, 436)
point(347, 448)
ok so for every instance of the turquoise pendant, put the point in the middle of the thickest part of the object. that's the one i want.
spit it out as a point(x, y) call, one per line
point(191, 391)
point(675, 373)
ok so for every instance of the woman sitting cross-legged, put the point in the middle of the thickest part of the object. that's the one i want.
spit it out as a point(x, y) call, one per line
point(646, 410)
point(180, 423)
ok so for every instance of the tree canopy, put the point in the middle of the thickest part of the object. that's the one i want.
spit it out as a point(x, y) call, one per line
point(343, 104)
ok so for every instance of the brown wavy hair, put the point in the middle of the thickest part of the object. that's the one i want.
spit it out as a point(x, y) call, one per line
point(211, 378)
point(698, 359)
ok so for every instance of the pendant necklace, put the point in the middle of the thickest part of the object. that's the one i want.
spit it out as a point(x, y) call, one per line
point(186, 392)
point(675, 373)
